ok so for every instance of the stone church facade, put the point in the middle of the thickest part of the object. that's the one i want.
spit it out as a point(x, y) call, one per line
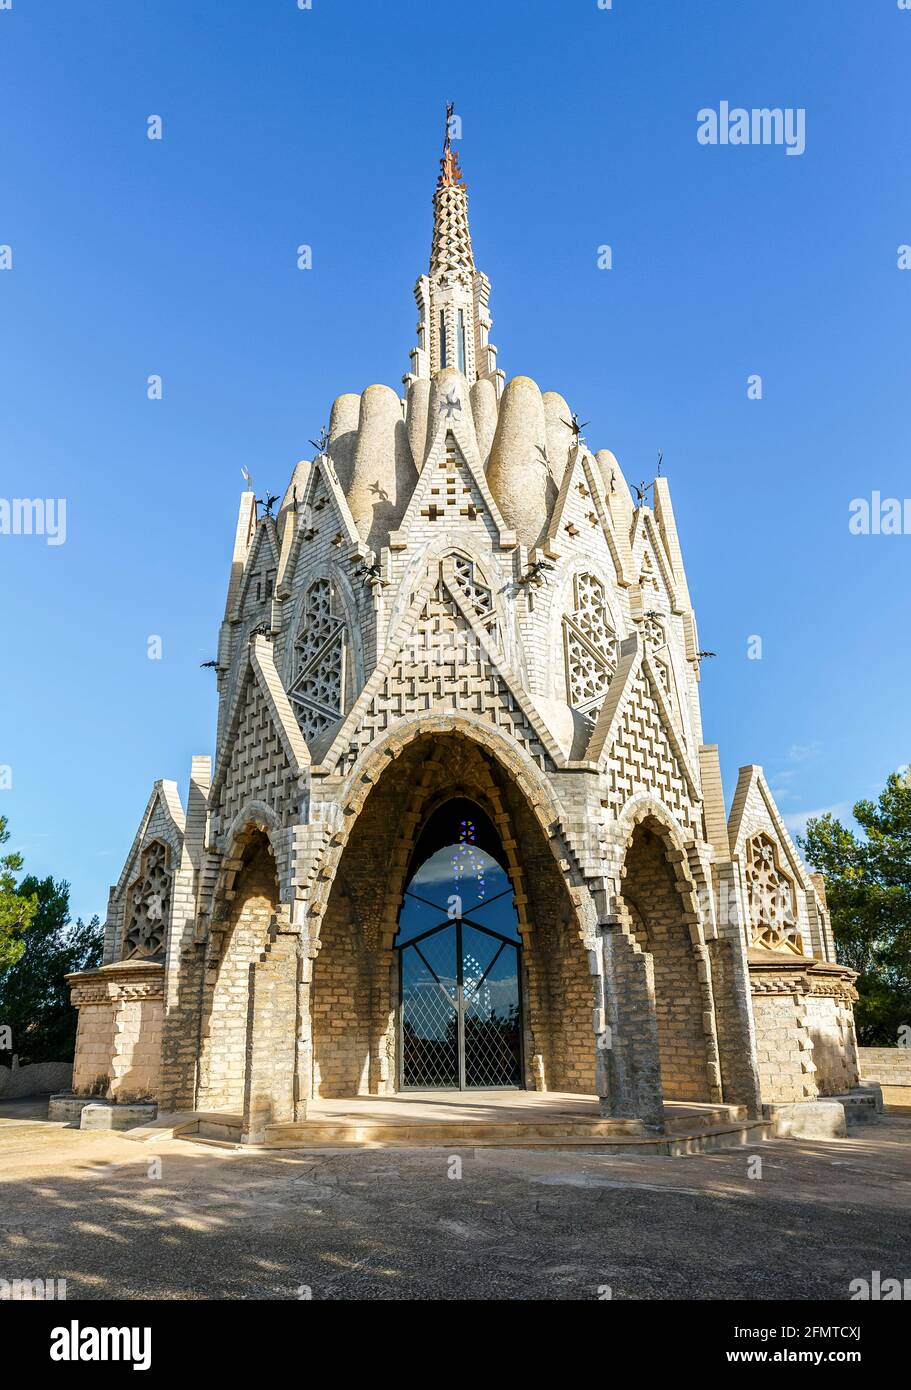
point(459, 603)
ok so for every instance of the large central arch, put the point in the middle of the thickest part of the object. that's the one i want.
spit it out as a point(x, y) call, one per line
point(354, 999)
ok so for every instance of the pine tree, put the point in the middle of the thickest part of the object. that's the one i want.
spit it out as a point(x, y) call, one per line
point(868, 887)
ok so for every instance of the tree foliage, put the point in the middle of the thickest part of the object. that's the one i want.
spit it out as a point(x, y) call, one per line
point(39, 946)
point(868, 887)
point(17, 908)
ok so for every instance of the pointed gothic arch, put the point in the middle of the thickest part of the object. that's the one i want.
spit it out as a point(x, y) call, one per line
point(656, 905)
point(236, 940)
point(353, 1001)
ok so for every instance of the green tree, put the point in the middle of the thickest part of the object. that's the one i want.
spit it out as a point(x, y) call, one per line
point(868, 887)
point(34, 995)
point(17, 908)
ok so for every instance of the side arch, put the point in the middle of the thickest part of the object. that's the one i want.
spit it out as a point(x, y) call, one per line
point(658, 910)
point(246, 910)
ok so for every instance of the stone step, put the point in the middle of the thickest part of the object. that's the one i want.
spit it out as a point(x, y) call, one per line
point(709, 1117)
point(214, 1127)
point(389, 1131)
point(701, 1140)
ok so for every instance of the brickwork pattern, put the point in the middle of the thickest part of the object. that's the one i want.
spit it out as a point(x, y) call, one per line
point(258, 769)
point(642, 759)
point(656, 920)
point(233, 949)
point(889, 1065)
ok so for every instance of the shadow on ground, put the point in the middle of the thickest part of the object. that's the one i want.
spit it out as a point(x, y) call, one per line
point(177, 1221)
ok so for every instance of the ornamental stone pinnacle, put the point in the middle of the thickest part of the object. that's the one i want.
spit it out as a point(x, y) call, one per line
point(453, 297)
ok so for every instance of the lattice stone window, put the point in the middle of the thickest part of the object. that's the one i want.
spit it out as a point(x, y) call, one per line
point(317, 689)
point(656, 640)
point(479, 597)
point(148, 904)
point(773, 914)
point(590, 645)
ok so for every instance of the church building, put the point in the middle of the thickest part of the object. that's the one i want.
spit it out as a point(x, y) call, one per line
point(461, 830)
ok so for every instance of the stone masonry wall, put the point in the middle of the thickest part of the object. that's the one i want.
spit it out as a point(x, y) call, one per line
point(118, 1039)
point(830, 1023)
point(340, 1009)
point(656, 919)
point(784, 1050)
point(891, 1066)
point(226, 992)
point(269, 1095)
point(94, 1049)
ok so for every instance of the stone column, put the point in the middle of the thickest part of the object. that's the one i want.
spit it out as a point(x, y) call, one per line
point(629, 1069)
point(272, 1032)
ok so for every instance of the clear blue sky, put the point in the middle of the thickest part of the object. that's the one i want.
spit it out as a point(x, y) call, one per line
point(284, 126)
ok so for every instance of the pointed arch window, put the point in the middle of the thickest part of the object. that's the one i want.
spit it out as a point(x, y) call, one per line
point(459, 950)
point(317, 690)
point(656, 641)
point(591, 648)
point(444, 359)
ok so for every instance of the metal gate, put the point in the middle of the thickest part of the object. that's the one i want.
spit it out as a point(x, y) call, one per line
point(460, 1009)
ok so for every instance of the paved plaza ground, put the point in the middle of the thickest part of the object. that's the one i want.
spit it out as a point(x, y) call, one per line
point(228, 1224)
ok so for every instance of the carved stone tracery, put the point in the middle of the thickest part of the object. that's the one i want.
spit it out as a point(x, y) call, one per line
point(479, 597)
point(317, 690)
point(773, 914)
point(148, 904)
point(590, 645)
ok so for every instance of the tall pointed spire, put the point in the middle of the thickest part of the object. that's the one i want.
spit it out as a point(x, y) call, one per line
point(451, 246)
point(453, 298)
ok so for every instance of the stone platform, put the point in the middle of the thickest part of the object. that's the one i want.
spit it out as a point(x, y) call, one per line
point(488, 1119)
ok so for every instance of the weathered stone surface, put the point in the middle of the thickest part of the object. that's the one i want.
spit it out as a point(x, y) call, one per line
point(99, 1115)
point(807, 1119)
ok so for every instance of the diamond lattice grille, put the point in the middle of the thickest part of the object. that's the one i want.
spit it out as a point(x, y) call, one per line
point(591, 647)
point(318, 687)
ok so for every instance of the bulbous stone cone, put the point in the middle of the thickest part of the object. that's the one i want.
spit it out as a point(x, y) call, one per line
point(384, 472)
point(616, 489)
point(484, 410)
point(518, 474)
point(560, 437)
point(416, 419)
point(343, 424)
point(450, 402)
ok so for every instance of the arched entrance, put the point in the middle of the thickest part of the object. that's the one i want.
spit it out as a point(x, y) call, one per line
point(354, 1001)
point(234, 945)
point(459, 954)
point(654, 912)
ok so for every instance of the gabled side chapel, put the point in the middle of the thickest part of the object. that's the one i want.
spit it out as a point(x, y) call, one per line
point(461, 829)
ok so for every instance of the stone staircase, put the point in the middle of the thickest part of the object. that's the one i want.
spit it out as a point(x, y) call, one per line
point(693, 1130)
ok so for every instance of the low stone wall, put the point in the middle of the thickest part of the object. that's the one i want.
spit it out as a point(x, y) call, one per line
point(36, 1079)
point(890, 1066)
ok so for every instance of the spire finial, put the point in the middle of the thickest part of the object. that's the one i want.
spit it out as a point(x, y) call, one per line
point(453, 296)
point(450, 173)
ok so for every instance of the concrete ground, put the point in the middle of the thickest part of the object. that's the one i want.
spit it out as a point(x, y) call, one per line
point(178, 1220)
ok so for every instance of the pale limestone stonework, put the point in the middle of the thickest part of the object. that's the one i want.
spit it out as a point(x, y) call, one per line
point(457, 597)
